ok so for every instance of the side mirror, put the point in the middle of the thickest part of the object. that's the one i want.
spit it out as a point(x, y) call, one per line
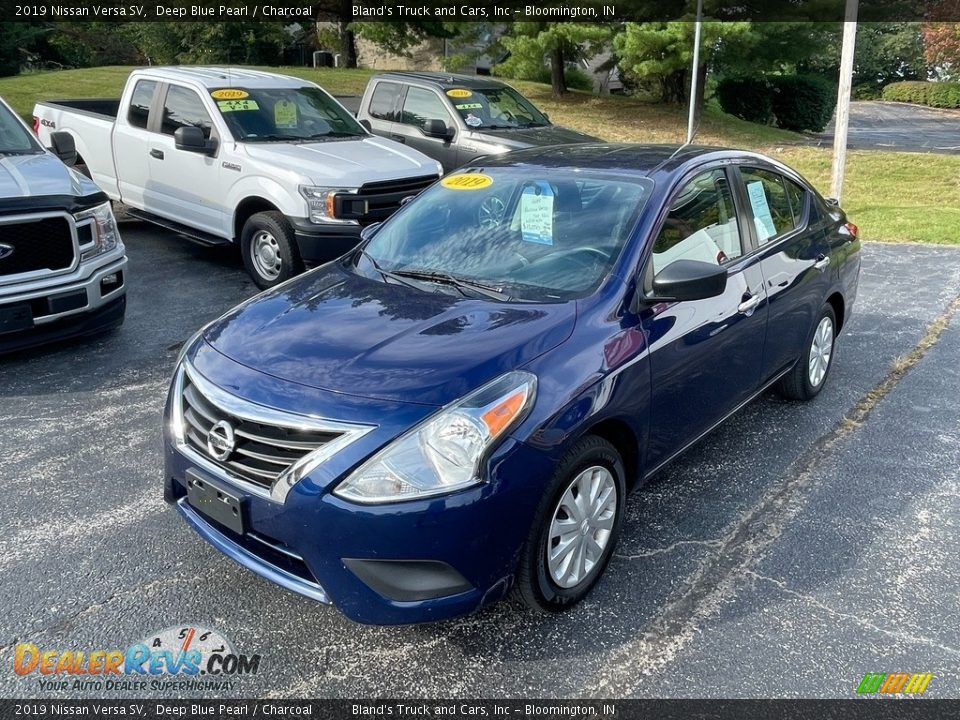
point(688, 280)
point(369, 231)
point(437, 129)
point(191, 139)
point(63, 146)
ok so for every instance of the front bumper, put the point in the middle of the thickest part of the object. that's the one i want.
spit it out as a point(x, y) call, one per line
point(398, 563)
point(90, 300)
point(320, 243)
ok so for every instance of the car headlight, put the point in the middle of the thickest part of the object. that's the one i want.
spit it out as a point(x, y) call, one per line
point(103, 229)
point(322, 203)
point(445, 452)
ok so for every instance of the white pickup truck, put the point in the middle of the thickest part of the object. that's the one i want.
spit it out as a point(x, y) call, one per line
point(225, 155)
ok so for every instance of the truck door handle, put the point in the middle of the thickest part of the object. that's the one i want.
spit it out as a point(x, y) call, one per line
point(823, 261)
point(158, 154)
point(398, 138)
point(748, 305)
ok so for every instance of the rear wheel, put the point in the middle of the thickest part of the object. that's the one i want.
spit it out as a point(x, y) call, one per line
point(809, 375)
point(575, 528)
point(269, 249)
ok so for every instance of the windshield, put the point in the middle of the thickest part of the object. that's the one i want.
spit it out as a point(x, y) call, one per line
point(526, 233)
point(284, 114)
point(15, 139)
point(494, 108)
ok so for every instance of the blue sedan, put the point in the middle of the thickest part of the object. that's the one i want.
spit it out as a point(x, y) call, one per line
point(456, 410)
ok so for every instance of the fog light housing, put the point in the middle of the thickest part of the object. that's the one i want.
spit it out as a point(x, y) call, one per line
point(111, 282)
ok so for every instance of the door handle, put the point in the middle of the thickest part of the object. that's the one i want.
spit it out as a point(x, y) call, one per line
point(158, 154)
point(398, 138)
point(822, 263)
point(748, 305)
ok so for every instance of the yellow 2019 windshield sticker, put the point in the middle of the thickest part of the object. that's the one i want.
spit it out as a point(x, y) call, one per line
point(467, 181)
point(459, 93)
point(229, 94)
point(235, 105)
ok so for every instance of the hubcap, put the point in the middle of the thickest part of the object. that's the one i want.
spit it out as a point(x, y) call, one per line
point(820, 351)
point(266, 255)
point(581, 526)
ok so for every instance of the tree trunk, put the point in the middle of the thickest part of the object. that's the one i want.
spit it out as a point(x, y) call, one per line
point(558, 78)
point(348, 41)
point(673, 87)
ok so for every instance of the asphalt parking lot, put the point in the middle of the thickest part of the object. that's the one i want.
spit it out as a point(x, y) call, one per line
point(901, 127)
point(785, 556)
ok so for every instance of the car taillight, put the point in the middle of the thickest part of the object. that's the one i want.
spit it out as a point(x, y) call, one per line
point(852, 229)
point(36, 125)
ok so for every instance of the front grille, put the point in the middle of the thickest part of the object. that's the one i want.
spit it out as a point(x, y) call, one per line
point(261, 451)
point(41, 244)
point(376, 201)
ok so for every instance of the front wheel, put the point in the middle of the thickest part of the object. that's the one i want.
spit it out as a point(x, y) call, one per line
point(809, 375)
point(575, 528)
point(269, 249)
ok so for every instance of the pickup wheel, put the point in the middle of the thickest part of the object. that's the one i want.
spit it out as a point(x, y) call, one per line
point(575, 528)
point(269, 249)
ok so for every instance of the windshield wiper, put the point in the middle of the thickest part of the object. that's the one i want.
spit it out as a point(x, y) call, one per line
point(269, 138)
point(460, 283)
point(390, 275)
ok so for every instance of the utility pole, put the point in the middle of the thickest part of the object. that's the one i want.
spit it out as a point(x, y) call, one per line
point(695, 73)
point(843, 99)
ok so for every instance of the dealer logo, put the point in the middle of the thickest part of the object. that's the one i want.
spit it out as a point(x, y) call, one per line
point(221, 441)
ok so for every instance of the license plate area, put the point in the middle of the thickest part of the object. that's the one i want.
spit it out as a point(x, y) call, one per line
point(18, 316)
point(214, 500)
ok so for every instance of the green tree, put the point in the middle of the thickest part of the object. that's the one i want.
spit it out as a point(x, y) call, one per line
point(210, 42)
point(20, 41)
point(661, 53)
point(530, 43)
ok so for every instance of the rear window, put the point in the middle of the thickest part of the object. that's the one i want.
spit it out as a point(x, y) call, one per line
point(383, 102)
point(139, 112)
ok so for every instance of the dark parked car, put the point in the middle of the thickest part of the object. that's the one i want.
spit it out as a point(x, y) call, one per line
point(459, 407)
point(457, 118)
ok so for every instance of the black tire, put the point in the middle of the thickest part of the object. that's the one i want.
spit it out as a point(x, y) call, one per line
point(797, 384)
point(288, 263)
point(534, 583)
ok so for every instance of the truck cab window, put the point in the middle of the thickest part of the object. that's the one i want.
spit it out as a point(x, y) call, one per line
point(183, 108)
point(383, 102)
point(421, 105)
point(139, 112)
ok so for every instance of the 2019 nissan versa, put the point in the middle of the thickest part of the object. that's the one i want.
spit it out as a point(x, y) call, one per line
point(457, 408)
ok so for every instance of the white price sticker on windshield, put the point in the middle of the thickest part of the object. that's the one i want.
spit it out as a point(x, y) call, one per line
point(536, 213)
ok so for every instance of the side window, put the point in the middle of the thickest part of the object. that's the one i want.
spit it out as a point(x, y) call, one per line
point(702, 224)
point(797, 197)
point(384, 101)
point(139, 111)
point(420, 105)
point(183, 108)
point(767, 195)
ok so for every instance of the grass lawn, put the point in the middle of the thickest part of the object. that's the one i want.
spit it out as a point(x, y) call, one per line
point(893, 197)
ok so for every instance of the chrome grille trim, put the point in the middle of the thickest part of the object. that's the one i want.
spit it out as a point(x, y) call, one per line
point(293, 458)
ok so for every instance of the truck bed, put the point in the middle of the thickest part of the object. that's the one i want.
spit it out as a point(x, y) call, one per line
point(106, 108)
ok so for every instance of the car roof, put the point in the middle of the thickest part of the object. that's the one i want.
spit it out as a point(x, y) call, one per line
point(634, 159)
point(444, 81)
point(218, 77)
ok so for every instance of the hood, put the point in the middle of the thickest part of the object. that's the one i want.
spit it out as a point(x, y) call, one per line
point(533, 137)
point(346, 162)
point(335, 330)
point(28, 176)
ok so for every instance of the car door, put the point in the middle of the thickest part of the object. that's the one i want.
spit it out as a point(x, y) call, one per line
point(705, 355)
point(794, 258)
point(384, 108)
point(419, 105)
point(130, 142)
point(183, 184)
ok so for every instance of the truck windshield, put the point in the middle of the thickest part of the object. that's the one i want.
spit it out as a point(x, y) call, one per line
point(495, 108)
point(515, 233)
point(284, 114)
point(15, 139)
